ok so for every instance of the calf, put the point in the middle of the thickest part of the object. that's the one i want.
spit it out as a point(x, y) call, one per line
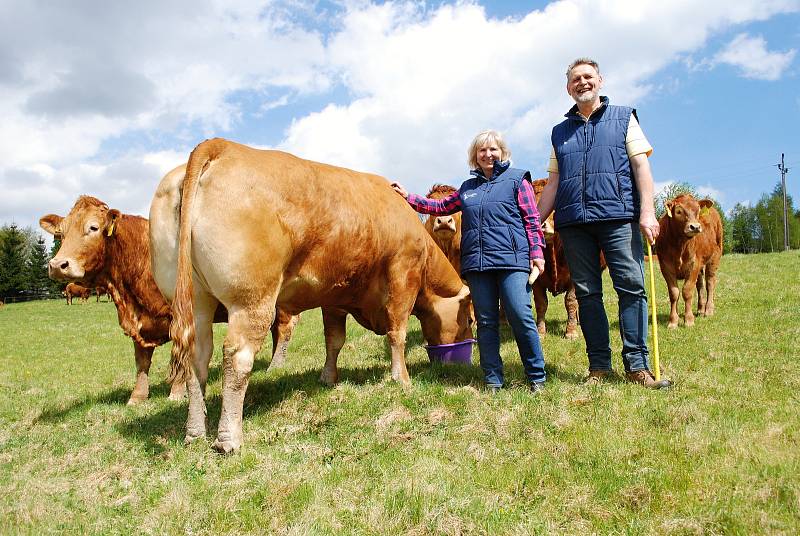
point(689, 247)
point(555, 278)
point(101, 291)
point(114, 255)
point(74, 290)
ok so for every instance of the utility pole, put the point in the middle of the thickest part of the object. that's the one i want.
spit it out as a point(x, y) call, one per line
point(782, 168)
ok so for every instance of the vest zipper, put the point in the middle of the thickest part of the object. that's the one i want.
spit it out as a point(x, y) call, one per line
point(583, 170)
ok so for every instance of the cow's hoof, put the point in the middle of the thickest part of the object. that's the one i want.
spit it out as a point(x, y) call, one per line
point(191, 437)
point(571, 335)
point(136, 400)
point(328, 378)
point(672, 325)
point(177, 397)
point(226, 447)
point(689, 323)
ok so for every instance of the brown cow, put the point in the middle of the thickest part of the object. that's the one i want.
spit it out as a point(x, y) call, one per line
point(446, 230)
point(101, 291)
point(556, 276)
point(115, 256)
point(689, 247)
point(74, 290)
point(253, 229)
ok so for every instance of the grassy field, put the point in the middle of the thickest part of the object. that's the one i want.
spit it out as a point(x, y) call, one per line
point(717, 454)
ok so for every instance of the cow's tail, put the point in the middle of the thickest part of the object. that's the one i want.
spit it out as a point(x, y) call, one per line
point(182, 329)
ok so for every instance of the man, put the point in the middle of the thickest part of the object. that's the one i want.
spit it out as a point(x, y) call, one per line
point(600, 186)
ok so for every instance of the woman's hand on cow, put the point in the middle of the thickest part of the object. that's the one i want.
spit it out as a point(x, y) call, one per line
point(649, 226)
point(537, 263)
point(397, 187)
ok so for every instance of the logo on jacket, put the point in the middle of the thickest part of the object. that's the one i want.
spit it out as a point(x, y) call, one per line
point(467, 196)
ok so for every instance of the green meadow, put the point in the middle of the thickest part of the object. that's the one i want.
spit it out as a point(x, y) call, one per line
point(719, 453)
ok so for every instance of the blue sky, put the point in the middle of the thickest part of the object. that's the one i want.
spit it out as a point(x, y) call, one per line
point(104, 98)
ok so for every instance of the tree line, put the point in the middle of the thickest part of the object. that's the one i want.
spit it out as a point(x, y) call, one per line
point(23, 265)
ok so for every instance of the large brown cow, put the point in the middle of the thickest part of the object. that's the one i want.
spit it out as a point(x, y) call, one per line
point(73, 290)
point(253, 229)
point(689, 247)
point(111, 251)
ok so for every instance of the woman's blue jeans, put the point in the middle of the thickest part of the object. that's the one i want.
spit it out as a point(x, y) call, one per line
point(488, 289)
point(621, 244)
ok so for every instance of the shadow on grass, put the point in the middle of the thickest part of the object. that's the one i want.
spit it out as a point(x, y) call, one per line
point(168, 423)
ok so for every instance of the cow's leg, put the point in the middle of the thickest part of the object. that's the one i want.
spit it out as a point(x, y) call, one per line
point(711, 288)
point(195, 386)
point(701, 296)
point(282, 329)
point(689, 287)
point(141, 389)
point(247, 328)
point(396, 334)
point(674, 292)
point(571, 305)
point(540, 303)
point(334, 322)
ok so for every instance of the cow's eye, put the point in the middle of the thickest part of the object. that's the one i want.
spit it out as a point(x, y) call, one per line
point(94, 228)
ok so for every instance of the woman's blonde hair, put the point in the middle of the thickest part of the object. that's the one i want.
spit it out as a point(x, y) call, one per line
point(487, 136)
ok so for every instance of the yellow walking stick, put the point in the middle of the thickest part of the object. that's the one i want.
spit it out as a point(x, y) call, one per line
point(656, 364)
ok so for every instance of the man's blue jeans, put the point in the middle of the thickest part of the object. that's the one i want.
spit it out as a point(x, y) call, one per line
point(621, 244)
point(510, 287)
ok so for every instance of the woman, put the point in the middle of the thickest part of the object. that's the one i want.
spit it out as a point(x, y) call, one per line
point(501, 243)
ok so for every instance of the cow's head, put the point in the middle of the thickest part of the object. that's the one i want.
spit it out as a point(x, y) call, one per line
point(448, 320)
point(548, 227)
point(83, 234)
point(445, 230)
point(684, 212)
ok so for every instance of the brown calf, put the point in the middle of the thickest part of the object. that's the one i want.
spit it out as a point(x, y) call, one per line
point(689, 247)
point(74, 290)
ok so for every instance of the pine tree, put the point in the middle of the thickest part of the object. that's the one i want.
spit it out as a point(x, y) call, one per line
point(38, 282)
point(56, 286)
point(12, 262)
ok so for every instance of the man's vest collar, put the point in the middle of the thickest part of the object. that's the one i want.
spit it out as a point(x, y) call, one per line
point(499, 168)
point(574, 114)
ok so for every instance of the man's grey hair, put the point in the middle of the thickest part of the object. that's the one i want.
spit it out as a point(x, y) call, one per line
point(583, 61)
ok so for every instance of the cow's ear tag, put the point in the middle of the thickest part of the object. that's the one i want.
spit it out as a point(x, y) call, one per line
point(110, 230)
point(704, 211)
point(669, 211)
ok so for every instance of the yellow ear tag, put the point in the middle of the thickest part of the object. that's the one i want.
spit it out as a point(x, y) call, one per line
point(111, 228)
point(704, 211)
point(669, 212)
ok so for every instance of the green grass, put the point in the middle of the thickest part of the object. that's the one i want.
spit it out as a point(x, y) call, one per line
point(718, 454)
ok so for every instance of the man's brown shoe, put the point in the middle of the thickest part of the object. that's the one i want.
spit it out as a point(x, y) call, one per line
point(646, 379)
point(596, 377)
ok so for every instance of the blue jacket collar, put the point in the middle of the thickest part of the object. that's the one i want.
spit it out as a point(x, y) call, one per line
point(499, 167)
point(573, 112)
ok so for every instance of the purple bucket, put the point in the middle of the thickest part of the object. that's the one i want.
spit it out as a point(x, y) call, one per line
point(457, 352)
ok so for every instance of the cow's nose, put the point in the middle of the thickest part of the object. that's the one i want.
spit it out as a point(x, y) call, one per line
point(58, 265)
point(695, 227)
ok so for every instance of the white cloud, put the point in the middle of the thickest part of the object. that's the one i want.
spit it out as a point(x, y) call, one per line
point(751, 56)
point(425, 81)
point(711, 193)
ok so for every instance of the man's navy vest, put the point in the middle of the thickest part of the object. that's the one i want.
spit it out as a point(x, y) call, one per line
point(595, 182)
point(492, 231)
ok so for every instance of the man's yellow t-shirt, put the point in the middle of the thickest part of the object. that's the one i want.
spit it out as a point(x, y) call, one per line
point(635, 143)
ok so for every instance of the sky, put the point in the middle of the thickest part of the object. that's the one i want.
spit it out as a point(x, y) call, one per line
point(103, 98)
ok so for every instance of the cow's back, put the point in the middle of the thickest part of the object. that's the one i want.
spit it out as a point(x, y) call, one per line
point(321, 230)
